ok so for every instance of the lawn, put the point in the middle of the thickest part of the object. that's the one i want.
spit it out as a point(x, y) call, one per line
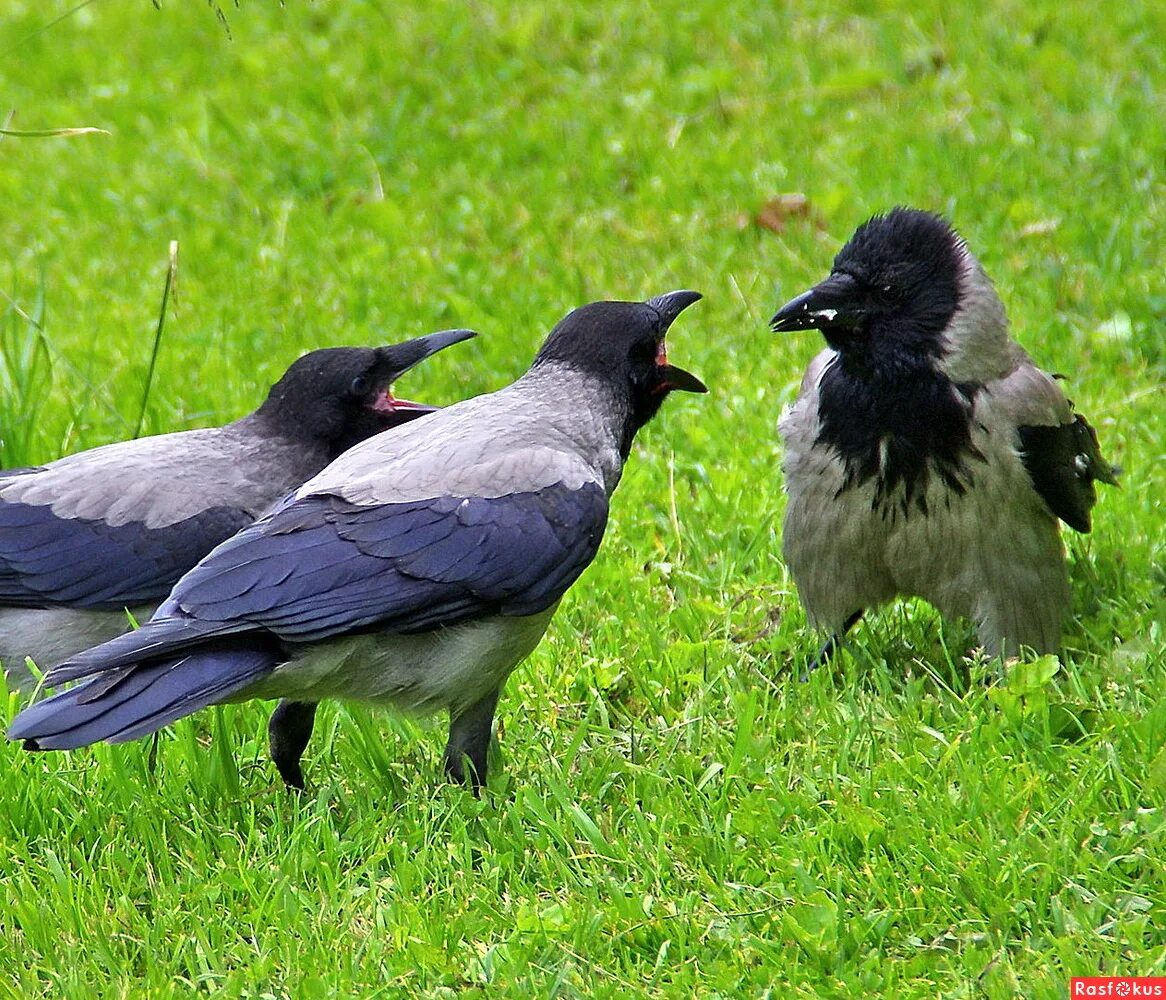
point(675, 814)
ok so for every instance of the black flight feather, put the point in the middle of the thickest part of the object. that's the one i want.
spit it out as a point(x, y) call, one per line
point(1063, 463)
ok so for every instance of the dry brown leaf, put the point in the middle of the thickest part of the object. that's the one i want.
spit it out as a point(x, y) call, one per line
point(776, 213)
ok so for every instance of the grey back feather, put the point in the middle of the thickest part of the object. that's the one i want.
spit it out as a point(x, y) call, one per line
point(541, 430)
point(162, 480)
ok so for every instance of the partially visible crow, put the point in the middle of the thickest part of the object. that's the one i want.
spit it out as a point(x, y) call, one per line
point(927, 455)
point(417, 570)
point(89, 535)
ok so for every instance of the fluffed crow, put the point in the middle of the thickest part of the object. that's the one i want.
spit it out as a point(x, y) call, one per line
point(927, 455)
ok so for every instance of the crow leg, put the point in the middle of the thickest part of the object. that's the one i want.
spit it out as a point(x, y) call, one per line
point(469, 742)
point(289, 730)
point(830, 646)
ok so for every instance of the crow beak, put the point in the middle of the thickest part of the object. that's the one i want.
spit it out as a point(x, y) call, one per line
point(677, 378)
point(831, 305)
point(672, 304)
point(395, 360)
point(669, 306)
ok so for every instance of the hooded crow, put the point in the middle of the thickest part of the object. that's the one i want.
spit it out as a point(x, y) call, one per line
point(927, 455)
point(88, 536)
point(417, 570)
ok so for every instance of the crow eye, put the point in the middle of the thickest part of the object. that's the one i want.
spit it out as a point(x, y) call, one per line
point(359, 386)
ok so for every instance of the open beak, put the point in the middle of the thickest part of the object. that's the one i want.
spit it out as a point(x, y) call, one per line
point(387, 404)
point(831, 305)
point(393, 361)
point(669, 306)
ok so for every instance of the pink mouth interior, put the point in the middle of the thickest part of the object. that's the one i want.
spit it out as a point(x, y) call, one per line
point(386, 402)
point(661, 362)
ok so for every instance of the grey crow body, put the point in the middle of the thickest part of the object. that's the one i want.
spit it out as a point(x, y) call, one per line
point(927, 455)
point(88, 536)
point(416, 571)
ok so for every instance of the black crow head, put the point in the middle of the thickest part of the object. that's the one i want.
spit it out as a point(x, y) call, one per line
point(624, 344)
point(338, 396)
point(892, 293)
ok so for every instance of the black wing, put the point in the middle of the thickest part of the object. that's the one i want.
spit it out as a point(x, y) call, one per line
point(46, 560)
point(323, 566)
point(1063, 462)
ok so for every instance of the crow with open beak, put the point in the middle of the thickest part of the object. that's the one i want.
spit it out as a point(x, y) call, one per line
point(88, 536)
point(415, 571)
point(927, 455)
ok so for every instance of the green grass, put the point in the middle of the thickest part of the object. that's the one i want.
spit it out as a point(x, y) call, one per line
point(675, 814)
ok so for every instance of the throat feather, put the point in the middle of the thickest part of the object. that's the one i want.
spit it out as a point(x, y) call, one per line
point(898, 431)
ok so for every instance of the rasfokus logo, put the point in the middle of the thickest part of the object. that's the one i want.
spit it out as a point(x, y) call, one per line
point(1118, 987)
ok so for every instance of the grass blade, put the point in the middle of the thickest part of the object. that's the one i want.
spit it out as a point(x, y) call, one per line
point(47, 133)
point(171, 277)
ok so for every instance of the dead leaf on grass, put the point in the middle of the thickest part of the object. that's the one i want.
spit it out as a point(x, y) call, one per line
point(778, 212)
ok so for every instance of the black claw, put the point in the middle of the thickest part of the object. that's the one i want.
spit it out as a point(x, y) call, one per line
point(293, 775)
point(472, 776)
point(289, 730)
point(469, 744)
point(830, 646)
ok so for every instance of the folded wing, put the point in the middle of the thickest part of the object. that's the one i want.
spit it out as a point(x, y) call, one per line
point(47, 559)
point(323, 566)
point(1058, 446)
